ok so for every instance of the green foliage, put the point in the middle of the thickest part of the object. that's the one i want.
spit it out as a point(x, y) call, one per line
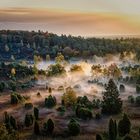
point(5, 135)
point(2, 86)
point(111, 103)
point(28, 120)
point(49, 127)
point(50, 101)
point(13, 122)
point(122, 88)
point(36, 128)
point(69, 98)
point(96, 103)
point(12, 86)
point(131, 99)
point(36, 113)
point(138, 88)
point(74, 127)
point(55, 69)
point(124, 126)
point(14, 98)
point(112, 130)
point(28, 105)
point(84, 101)
point(83, 113)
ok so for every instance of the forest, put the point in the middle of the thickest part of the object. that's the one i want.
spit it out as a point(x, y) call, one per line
point(15, 45)
point(64, 87)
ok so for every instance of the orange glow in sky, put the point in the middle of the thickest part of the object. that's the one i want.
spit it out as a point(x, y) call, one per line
point(76, 17)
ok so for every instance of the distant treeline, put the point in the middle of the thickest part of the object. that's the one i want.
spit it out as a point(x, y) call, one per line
point(25, 44)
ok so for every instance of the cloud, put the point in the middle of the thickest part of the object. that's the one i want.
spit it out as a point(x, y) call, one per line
point(60, 21)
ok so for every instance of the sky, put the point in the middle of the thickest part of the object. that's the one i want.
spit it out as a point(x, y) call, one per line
point(75, 17)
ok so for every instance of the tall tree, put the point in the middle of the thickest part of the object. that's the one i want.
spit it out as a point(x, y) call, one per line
point(124, 126)
point(111, 103)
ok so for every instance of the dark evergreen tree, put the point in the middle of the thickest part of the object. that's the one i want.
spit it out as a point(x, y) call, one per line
point(111, 103)
point(7, 120)
point(2, 86)
point(49, 127)
point(14, 98)
point(74, 127)
point(36, 113)
point(13, 122)
point(112, 130)
point(124, 126)
point(36, 128)
point(28, 120)
point(98, 137)
point(50, 101)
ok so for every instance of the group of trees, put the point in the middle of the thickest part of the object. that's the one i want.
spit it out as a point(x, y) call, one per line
point(24, 44)
point(117, 131)
point(109, 71)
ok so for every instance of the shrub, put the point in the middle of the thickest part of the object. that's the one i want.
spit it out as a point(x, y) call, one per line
point(83, 113)
point(98, 137)
point(96, 103)
point(122, 88)
point(28, 120)
point(98, 116)
point(2, 86)
point(69, 98)
point(124, 126)
point(49, 127)
point(12, 86)
point(50, 101)
point(55, 69)
point(138, 100)
point(38, 94)
point(61, 109)
point(138, 88)
point(28, 105)
point(85, 102)
point(50, 90)
point(74, 127)
point(14, 98)
point(13, 122)
point(131, 99)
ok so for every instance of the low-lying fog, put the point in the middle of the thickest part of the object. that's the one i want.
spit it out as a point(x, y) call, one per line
point(79, 80)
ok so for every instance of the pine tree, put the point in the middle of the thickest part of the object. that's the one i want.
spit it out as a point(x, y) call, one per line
point(36, 113)
point(112, 130)
point(28, 120)
point(49, 127)
point(74, 127)
point(13, 122)
point(111, 103)
point(36, 128)
point(124, 126)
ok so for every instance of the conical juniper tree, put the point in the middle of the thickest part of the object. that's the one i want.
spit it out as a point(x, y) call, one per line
point(124, 126)
point(112, 130)
point(111, 103)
